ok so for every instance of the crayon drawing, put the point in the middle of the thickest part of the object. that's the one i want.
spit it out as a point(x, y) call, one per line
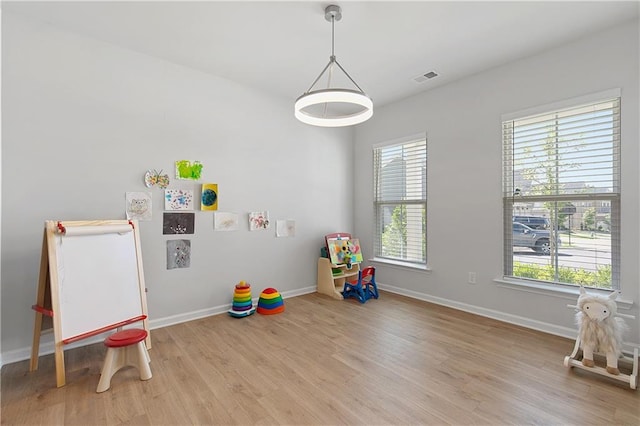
point(259, 221)
point(178, 254)
point(178, 223)
point(209, 198)
point(225, 221)
point(138, 205)
point(285, 228)
point(178, 199)
point(185, 169)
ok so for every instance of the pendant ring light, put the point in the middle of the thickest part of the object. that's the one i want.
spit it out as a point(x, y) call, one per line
point(333, 96)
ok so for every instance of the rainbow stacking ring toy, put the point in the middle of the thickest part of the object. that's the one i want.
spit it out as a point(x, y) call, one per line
point(270, 302)
point(242, 306)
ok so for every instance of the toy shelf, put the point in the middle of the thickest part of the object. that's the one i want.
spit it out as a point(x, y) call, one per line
point(332, 284)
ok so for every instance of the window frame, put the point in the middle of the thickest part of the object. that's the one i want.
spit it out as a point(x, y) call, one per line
point(379, 203)
point(614, 198)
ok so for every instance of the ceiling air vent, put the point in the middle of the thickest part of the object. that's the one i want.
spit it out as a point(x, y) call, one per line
point(425, 77)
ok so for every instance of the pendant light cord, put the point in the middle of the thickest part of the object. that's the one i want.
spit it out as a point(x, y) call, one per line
point(333, 60)
point(333, 37)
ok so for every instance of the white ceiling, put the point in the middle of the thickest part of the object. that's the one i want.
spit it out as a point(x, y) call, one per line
point(281, 47)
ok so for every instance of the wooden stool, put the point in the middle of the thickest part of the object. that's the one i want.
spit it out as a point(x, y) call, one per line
point(125, 348)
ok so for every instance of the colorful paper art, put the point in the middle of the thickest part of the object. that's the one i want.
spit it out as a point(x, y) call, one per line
point(344, 251)
point(185, 169)
point(178, 254)
point(209, 197)
point(178, 199)
point(285, 228)
point(178, 223)
point(154, 177)
point(225, 221)
point(138, 205)
point(259, 221)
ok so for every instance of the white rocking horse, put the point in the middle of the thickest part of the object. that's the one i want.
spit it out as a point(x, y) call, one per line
point(600, 331)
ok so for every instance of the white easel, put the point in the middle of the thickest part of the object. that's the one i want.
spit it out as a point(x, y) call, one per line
point(91, 281)
point(632, 379)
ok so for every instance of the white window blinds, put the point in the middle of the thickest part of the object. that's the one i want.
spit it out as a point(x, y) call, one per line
point(563, 166)
point(400, 201)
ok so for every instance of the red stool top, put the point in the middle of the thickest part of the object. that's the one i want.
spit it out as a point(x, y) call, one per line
point(126, 337)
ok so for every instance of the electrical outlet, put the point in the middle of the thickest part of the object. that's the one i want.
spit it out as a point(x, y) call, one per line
point(472, 277)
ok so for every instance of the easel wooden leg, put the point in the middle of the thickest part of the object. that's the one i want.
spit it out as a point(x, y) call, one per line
point(35, 346)
point(147, 341)
point(60, 375)
point(40, 301)
point(44, 306)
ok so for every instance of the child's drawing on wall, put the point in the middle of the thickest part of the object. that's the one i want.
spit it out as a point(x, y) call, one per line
point(178, 223)
point(258, 221)
point(178, 254)
point(185, 169)
point(285, 228)
point(138, 205)
point(178, 199)
point(225, 221)
point(209, 198)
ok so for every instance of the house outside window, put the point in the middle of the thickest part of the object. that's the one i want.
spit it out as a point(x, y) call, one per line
point(561, 194)
point(400, 201)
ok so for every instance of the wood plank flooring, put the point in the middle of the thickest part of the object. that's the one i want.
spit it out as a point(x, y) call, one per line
point(391, 361)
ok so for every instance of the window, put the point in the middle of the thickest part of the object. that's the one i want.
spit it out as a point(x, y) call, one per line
point(400, 201)
point(563, 166)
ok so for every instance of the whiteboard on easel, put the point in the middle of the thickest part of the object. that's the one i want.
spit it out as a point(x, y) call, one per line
point(98, 278)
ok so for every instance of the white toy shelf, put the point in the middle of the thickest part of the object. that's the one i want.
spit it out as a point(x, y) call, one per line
point(575, 360)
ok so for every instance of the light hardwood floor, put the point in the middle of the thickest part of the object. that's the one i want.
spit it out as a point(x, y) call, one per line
point(393, 360)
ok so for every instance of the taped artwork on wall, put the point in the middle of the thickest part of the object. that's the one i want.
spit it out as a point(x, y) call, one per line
point(178, 254)
point(225, 221)
point(185, 169)
point(259, 221)
point(178, 223)
point(154, 177)
point(285, 228)
point(209, 198)
point(138, 205)
point(178, 199)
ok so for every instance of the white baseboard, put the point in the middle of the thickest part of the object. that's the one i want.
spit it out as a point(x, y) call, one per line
point(47, 345)
point(544, 327)
point(489, 313)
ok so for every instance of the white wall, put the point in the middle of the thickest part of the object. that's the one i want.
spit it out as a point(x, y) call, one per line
point(463, 125)
point(83, 120)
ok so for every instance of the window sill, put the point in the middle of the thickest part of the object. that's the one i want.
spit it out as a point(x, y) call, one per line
point(568, 292)
point(400, 264)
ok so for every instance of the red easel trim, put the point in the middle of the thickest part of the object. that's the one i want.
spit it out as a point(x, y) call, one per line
point(102, 330)
point(45, 311)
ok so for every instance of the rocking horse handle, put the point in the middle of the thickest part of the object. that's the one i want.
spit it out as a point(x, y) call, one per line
point(618, 314)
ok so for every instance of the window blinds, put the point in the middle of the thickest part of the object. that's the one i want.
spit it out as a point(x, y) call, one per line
point(400, 196)
point(574, 152)
point(564, 165)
